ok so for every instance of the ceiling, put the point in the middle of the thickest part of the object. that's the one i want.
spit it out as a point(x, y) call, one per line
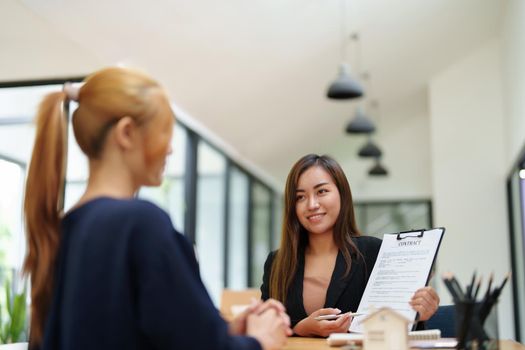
point(255, 72)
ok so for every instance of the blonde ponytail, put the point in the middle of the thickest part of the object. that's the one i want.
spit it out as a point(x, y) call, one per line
point(43, 205)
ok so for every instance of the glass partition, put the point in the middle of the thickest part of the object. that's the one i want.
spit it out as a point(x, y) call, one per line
point(209, 235)
point(238, 230)
point(12, 239)
point(277, 222)
point(261, 230)
point(378, 218)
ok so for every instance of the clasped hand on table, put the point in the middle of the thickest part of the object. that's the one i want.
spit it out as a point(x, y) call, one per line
point(265, 321)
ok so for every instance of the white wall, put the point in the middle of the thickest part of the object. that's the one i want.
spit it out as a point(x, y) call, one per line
point(404, 138)
point(513, 75)
point(34, 49)
point(468, 168)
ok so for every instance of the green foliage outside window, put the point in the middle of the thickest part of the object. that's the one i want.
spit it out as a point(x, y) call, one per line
point(13, 306)
point(13, 327)
point(4, 270)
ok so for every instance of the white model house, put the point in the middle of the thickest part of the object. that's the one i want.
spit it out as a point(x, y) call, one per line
point(385, 329)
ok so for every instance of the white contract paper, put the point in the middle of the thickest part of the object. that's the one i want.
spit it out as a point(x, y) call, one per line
point(402, 267)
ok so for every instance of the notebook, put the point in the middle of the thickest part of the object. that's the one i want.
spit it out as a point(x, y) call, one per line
point(443, 343)
point(340, 339)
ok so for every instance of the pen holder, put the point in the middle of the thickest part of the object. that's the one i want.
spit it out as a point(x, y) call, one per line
point(476, 328)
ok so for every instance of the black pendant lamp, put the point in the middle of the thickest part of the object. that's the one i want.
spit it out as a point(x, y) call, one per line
point(378, 169)
point(361, 124)
point(344, 87)
point(370, 150)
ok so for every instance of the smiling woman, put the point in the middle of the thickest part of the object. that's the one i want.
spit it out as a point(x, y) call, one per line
point(323, 263)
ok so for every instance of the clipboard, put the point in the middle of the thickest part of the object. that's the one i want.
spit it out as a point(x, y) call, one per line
point(407, 234)
point(403, 265)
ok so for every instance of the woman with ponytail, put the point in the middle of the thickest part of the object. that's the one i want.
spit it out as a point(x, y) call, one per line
point(112, 273)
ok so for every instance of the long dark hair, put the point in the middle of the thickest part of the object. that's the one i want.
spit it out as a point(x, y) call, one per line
point(294, 235)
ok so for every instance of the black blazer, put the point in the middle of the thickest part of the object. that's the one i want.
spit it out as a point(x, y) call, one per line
point(344, 292)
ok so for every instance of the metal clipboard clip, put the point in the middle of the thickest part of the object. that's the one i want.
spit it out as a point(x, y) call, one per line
point(411, 234)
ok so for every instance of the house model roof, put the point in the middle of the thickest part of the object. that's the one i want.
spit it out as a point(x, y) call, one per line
point(384, 311)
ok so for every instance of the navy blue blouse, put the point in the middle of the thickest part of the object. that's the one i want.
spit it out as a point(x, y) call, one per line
point(126, 279)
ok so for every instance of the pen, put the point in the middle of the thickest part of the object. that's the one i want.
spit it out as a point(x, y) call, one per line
point(334, 317)
point(492, 298)
point(497, 291)
point(477, 289)
point(490, 286)
point(456, 286)
point(470, 287)
point(450, 288)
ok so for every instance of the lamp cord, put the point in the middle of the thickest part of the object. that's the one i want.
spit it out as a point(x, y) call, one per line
point(343, 31)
